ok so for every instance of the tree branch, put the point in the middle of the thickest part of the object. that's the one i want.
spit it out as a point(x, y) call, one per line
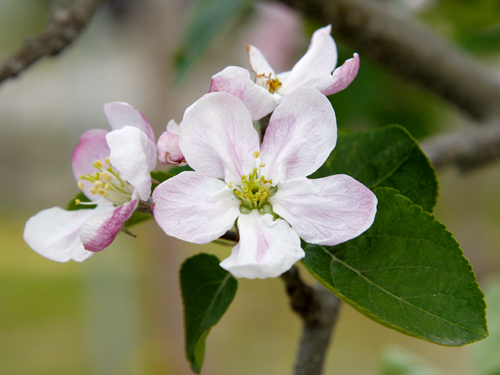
point(65, 27)
point(410, 51)
point(318, 309)
point(468, 148)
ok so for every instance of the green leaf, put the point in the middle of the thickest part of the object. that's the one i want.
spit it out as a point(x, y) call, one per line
point(485, 353)
point(396, 361)
point(387, 157)
point(208, 18)
point(207, 291)
point(406, 272)
point(72, 206)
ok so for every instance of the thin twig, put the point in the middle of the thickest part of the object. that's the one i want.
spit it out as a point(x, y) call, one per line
point(466, 149)
point(66, 25)
point(411, 51)
point(318, 309)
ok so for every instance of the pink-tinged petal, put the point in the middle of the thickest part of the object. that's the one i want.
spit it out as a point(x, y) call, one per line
point(173, 127)
point(91, 147)
point(120, 114)
point(321, 57)
point(258, 62)
point(236, 81)
point(301, 135)
point(169, 152)
point(195, 208)
point(54, 233)
point(134, 155)
point(326, 211)
point(99, 231)
point(218, 137)
point(267, 248)
point(342, 77)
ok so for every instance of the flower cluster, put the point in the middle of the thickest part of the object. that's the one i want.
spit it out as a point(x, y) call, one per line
point(262, 189)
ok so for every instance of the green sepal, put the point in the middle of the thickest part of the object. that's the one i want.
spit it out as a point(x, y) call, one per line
point(406, 272)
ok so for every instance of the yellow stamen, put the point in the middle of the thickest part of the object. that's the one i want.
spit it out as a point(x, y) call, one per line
point(107, 161)
point(230, 185)
point(98, 184)
point(256, 154)
point(107, 186)
point(77, 201)
point(80, 185)
point(105, 176)
point(262, 165)
point(93, 190)
point(99, 164)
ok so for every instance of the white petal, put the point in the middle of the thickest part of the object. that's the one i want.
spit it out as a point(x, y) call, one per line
point(99, 231)
point(218, 137)
point(258, 62)
point(326, 211)
point(236, 81)
point(120, 114)
point(301, 135)
point(267, 248)
point(195, 208)
point(169, 152)
point(91, 147)
point(173, 127)
point(134, 155)
point(341, 78)
point(54, 233)
point(320, 58)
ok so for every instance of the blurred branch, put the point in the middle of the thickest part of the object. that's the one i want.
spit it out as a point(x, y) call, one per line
point(66, 25)
point(411, 51)
point(468, 148)
point(318, 309)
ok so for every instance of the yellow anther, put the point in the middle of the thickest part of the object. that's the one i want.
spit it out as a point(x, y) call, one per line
point(262, 165)
point(77, 201)
point(102, 192)
point(93, 190)
point(230, 185)
point(107, 186)
point(107, 161)
point(238, 193)
point(99, 164)
point(244, 177)
point(245, 189)
point(105, 176)
point(247, 196)
point(80, 185)
point(256, 154)
point(98, 184)
point(270, 181)
point(96, 176)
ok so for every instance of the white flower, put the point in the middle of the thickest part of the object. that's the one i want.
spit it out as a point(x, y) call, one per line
point(113, 171)
point(263, 187)
point(314, 69)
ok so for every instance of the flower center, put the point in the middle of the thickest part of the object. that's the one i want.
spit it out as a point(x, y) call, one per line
point(254, 191)
point(107, 183)
point(269, 83)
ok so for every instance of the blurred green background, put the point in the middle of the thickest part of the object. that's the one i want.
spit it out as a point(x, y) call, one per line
point(120, 312)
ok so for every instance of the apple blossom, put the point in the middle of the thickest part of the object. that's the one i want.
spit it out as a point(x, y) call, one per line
point(169, 152)
point(262, 187)
point(314, 69)
point(113, 171)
